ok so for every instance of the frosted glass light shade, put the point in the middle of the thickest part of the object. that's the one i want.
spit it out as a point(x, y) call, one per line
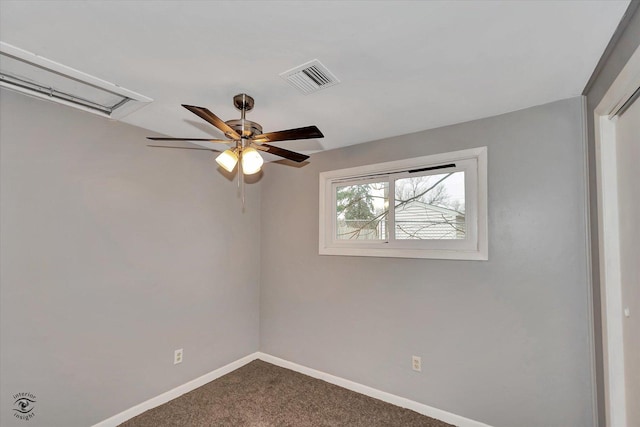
point(251, 161)
point(227, 160)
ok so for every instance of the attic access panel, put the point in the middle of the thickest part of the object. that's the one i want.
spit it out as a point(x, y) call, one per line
point(34, 75)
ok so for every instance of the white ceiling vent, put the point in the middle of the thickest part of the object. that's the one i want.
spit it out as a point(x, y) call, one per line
point(310, 77)
point(34, 75)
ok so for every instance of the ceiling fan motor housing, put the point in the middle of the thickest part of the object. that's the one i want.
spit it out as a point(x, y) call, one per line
point(250, 128)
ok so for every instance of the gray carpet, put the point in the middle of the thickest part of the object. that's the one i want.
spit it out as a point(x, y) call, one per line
point(261, 394)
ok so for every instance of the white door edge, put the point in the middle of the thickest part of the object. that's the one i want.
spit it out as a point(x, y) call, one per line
point(619, 92)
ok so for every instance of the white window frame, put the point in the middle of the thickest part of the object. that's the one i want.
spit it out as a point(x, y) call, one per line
point(473, 247)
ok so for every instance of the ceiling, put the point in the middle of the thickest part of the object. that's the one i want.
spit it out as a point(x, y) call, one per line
point(403, 66)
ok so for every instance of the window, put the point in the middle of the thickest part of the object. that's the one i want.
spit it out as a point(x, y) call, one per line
point(427, 207)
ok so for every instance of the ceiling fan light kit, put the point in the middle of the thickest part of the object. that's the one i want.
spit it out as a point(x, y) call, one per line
point(227, 160)
point(251, 161)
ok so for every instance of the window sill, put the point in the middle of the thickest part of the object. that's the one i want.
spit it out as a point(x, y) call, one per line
point(471, 255)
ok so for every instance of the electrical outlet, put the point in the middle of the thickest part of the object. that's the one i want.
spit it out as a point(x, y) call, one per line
point(177, 356)
point(416, 363)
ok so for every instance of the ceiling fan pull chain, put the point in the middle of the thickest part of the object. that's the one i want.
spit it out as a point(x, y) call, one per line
point(240, 179)
point(239, 169)
point(242, 195)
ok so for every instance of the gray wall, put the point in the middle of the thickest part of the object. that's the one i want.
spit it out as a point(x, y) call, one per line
point(112, 256)
point(625, 42)
point(504, 341)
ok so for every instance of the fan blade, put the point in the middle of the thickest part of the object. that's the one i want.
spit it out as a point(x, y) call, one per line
point(289, 134)
point(291, 155)
point(222, 141)
point(183, 148)
point(208, 116)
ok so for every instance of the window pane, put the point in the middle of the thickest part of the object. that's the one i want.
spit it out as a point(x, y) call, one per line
point(361, 211)
point(430, 207)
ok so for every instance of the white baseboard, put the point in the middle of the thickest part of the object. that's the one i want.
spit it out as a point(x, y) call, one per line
point(423, 409)
point(176, 392)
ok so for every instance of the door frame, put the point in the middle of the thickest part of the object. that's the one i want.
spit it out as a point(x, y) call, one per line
point(605, 117)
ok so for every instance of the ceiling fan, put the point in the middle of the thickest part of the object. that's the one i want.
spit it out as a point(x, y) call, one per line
point(247, 138)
